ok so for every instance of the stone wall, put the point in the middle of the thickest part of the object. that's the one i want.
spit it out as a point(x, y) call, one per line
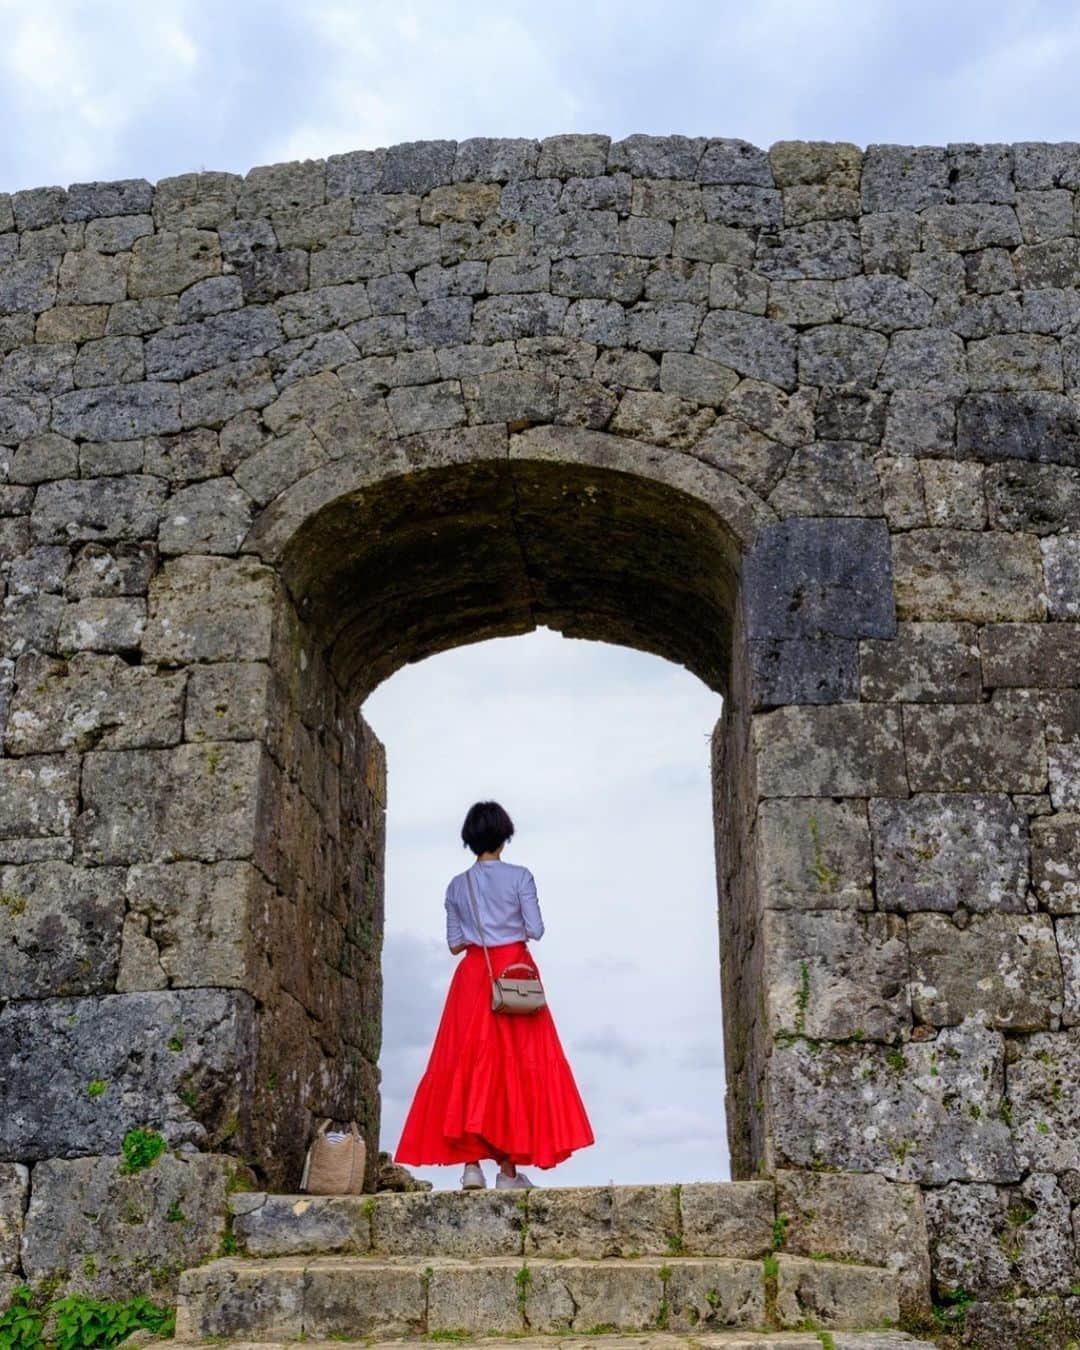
point(805, 420)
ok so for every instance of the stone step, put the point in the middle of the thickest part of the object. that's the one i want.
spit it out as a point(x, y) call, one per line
point(720, 1340)
point(290, 1297)
point(733, 1218)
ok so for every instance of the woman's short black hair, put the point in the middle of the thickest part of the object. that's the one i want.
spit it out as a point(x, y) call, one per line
point(486, 827)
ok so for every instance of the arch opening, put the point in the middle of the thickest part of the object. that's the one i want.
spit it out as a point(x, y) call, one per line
point(392, 570)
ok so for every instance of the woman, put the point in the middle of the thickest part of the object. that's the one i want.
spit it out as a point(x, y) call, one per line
point(497, 1085)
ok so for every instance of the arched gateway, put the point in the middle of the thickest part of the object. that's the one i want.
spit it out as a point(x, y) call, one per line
point(802, 421)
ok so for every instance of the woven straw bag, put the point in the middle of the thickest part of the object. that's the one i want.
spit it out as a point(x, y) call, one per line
point(334, 1166)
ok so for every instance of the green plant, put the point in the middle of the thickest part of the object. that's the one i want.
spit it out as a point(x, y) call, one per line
point(175, 1042)
point(228, 1245)
point(141, 1148)
point(779, 1231)
point(827, 1342)
point(894, 1058)
point(772, 1267)
point(174, 1214)
point(14, 904)
point(952, 1308)
point(802, 997)
point(21, 1324)
point(96, 1087)
point(522, 1280)
point(83, 1322)
point(824, 876)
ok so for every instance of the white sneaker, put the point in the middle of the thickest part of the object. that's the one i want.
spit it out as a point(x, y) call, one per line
point(516, 1183)
point(473, 1179)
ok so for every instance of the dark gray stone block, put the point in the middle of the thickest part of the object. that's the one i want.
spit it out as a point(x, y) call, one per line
point(804, 670)
point(820, 578)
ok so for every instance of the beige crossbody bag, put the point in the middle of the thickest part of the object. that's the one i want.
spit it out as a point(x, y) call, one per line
point(509, 995)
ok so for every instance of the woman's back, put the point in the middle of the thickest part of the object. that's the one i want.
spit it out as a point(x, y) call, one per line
point(505, 895)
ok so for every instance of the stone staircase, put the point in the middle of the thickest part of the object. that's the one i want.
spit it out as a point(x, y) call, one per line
point(576, 1263)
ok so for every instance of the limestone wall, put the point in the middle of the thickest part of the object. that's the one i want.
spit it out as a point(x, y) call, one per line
point(804, 419)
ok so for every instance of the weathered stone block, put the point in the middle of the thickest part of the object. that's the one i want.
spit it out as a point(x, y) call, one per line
point(809, 578)
point(567, 1294)
point(61, 929)
point(209, 517)
point(211, 399)
point(1001, 968)
point(190, 924)
point(964, 575)
point(1063, 760)
point(285, 1225)
point(168, 262)
point(1035, 498)
point(127, 1042)
point(446, 1223)
point(112, 1235)
point(702, 1295)
point(1055, 862)
point(803, 670)
point(929, 1112)
point(571, 1221)
point(196, 801)
point(904, 176)
point(924, 663)
point(814, 854)
point(863, 1218)
point(209, 609)
point(474, 1297)
point(727, 1219)
point(14, 1195)
point(1042, 1084)
point(1030, 655)
point(973, 748)
point(38, 801)
point(827, 1293)
point(836, 975)
point(938, 851)
point(1022, 425)
point(103, 624)
point(840, 751)
point(828, 478)
point(1061, 565)
point(235, 1298)
point(756, 347)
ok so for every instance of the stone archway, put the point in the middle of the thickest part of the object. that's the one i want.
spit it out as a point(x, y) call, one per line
point(383, 563)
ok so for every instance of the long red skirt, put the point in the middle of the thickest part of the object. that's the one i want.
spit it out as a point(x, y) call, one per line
point(496, 1084)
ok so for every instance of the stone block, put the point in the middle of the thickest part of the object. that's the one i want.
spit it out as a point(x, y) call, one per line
point(1063, 760)
point(828, 478)
point(572, 156)
point(448, 1223)
point(235, 1298)
point(61, 929)
point(829, 1294)
point(209, 517)
point(861, 1218)
point(1014, 361)
point(703, 1295)
point(981, 577)
point(836, 975)
point(645, 1220)
point(210, 609)
point(193, 348)
point(429, 407)
point(1026, 425)
point(127, 1042)
point(814, 854)
point(1061, 566)
point(803, 670)
point(727, 1219)
point(929, 1112)
point(112, 1235)
point(1030, 655)
point(924, 663)
point(663, 325)
point(14, 1196)
point(755, 347)
point(1002, 969)
point(811, 578)
point(1067, 933)
point(910, 177)
point(286, 1225)
point(480, 1298)
point(172, 260)
point(1055, 862)
point(228, 701)
point(1035, 498)
point(973, 748)
point(77, 510)
point(1042, 1099)
point(44, 457)
point(570, 1221)
point(88, 278)
point(954, 494)
point(941, 851)
point(924, 358)
point(570, 1294)
point(190, 925)
point(195, 802)
point(38, 801)
point(103, 624)
point(115, 569)
point(213, 398)
point(838, 354)
point(661, 419)
point(841, 751)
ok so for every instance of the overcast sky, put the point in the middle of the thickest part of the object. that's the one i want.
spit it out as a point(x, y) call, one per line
point(600, 754)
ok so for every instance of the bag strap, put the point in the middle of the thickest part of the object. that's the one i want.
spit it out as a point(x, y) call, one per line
point(476, 916)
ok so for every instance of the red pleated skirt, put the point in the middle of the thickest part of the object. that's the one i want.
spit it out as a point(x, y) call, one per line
point(496, 1084)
